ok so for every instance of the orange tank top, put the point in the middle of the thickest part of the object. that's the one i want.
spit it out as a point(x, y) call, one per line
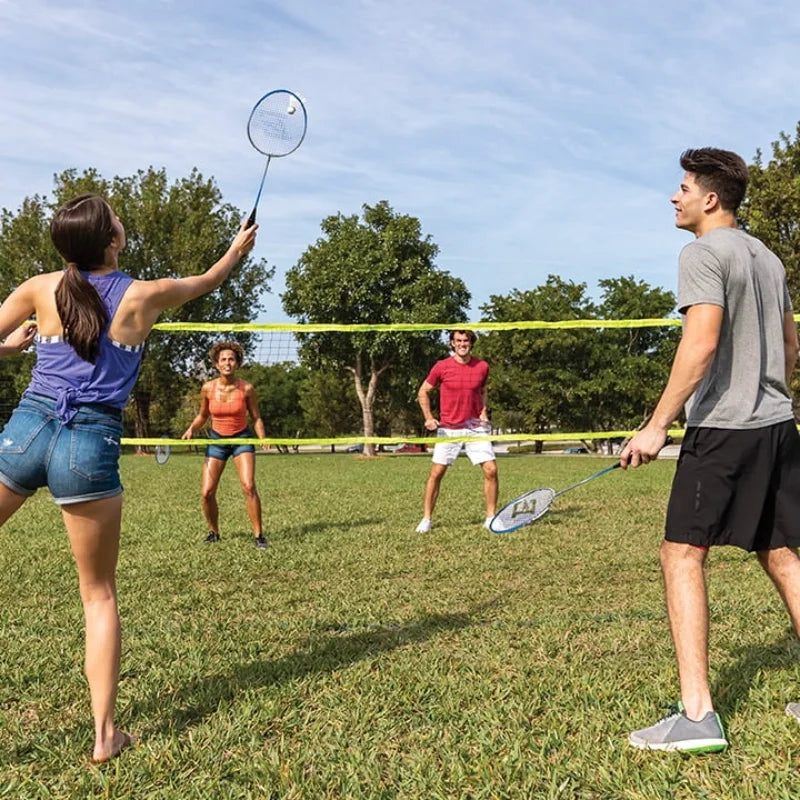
point(228, 409)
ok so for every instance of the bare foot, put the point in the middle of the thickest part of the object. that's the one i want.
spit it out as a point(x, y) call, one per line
point(120, 741)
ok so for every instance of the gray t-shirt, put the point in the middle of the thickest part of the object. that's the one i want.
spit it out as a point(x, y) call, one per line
point(745, 386)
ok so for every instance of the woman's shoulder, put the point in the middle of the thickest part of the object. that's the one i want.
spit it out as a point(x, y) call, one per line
point(44, 280)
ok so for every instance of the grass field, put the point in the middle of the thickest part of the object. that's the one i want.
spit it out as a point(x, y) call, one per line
point(358, 659)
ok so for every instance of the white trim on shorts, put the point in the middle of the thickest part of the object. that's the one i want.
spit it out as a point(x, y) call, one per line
point(445, 453)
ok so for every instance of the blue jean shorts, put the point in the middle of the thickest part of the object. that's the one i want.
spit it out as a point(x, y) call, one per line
point(78, 461)
point(224, 451)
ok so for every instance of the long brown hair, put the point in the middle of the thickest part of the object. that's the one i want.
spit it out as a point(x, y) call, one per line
point(81, 231)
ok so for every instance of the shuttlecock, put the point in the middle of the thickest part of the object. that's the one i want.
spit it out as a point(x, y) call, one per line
point(294, 104)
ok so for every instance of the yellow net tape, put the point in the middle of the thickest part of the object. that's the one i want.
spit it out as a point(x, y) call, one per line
point(430, 441)
point(531, 324)
point(406, 326)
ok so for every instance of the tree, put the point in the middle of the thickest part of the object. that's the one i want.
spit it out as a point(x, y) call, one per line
point(578, 379)
point(326, 400)
point(172, 230)
point(278, 388)
point(631, 365)
point(537, 376)
point(379, 270)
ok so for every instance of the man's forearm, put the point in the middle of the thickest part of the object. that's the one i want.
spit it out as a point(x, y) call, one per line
point(425, 405)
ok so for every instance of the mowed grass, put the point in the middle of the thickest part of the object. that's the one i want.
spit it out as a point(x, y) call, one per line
point(358, 659)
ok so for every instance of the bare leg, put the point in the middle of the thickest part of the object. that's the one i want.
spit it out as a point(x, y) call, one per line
point(432, 489)
point(783, 567)
point(93, 529)
point(687, 608)
point(9, 502)
point(490, 486)
point(246, 468)
point(212, 470)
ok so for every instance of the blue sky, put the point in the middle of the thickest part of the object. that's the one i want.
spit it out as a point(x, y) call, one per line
point(530, 137)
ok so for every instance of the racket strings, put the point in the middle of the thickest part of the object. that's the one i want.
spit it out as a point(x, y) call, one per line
point(525, 509)
point(277, 124)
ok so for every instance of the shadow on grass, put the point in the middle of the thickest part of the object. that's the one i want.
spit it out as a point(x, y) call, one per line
point(195, 701)
point(319, 526)
point(732, 686)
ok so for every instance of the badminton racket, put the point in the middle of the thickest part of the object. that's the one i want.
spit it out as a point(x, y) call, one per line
point(534, 504)
point(276, 128)
point(162, 452)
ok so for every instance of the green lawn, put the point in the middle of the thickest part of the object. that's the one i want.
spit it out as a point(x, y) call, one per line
point(358, 659)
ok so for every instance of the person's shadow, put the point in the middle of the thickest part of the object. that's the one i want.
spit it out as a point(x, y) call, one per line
point(297, 532)
point(732, 685)
point(198, 699)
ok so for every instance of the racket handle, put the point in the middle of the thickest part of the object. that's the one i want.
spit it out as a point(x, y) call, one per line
point(251, 220)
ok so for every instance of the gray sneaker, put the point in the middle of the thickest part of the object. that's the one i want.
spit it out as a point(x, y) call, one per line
point(677, 732)
point(793, 710)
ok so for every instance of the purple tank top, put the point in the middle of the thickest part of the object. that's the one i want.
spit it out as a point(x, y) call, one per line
point(60, 373)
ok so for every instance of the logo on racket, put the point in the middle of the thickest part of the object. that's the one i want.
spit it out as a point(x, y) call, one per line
point(524, 506)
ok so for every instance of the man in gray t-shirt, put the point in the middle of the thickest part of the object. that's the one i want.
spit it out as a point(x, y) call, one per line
point(745, 385)
point(738, 475)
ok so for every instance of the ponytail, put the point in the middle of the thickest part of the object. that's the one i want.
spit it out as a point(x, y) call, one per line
point(81, 231)
point(83, 315)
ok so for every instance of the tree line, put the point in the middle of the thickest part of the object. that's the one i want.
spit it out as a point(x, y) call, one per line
point(379, 267)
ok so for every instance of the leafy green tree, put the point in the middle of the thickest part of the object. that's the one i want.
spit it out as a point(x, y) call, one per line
point(376, 270)
point(576, 379)
point(631, 365)
point(172, 230)
point(536, 376)
point(327, 403)
point(278, 388)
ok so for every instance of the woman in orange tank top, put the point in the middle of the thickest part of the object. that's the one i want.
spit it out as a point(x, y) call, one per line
point(228, 400)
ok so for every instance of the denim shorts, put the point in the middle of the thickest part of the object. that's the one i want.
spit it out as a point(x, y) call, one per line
point(224, 451)
point(78, 461)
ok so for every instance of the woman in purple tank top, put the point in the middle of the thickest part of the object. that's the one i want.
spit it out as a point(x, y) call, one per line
point(92, 321)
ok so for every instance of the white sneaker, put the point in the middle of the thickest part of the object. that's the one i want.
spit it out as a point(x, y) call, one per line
point(424, 526)
point(487, 524)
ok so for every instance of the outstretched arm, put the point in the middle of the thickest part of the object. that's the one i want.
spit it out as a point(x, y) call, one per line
point(170, 292)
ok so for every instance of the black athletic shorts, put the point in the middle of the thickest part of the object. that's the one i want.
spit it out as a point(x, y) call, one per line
point(737, 487)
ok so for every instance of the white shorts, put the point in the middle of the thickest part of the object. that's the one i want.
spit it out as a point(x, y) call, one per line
point(445, 453)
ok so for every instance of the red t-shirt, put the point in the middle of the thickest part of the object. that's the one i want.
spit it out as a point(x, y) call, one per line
point(461, 389)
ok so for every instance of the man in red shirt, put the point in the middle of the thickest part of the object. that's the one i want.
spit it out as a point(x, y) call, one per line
point(461, 379)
